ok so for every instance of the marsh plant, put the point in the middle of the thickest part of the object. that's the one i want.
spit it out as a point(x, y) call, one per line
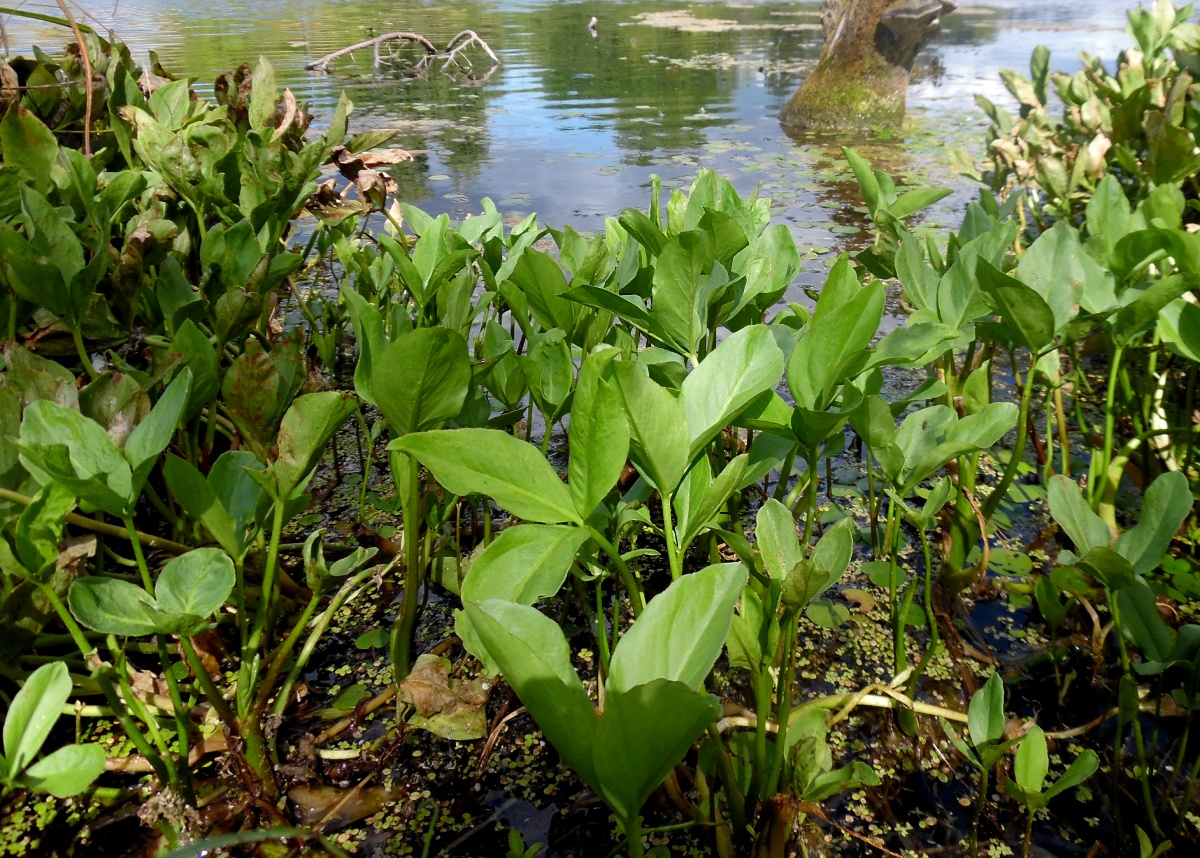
point(616, 437)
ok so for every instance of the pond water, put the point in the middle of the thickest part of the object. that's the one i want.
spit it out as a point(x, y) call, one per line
point(573, 123)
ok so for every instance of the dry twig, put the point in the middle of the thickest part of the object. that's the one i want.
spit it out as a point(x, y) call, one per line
point(453, 54)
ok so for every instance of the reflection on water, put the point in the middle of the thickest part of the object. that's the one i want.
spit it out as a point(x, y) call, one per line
point(575, 121)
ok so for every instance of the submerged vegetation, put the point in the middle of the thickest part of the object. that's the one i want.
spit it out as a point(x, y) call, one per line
point(727, 552)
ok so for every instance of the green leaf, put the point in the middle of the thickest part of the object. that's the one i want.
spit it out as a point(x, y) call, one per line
point(32, 714)
point(196, 583)
point(1079, 771)
point(198, 500)
point(985, 714)
point(150, 437)
point(536, 661)
point(306, 428)
point(493, 463)
point(700, 511)
point(682, 289)
point(66, 772)
point(58, 443)
point(1086, 529)
point(28, 145)
point(368, 335)
point(1165, 506)
point(644, 733)
point(40, 526)
point(421, 379)
point(1141, 623)
point(658, 430)
point(112, 606)
point(262, 95)
point(1108, 567)
point(831, 346)
point(827, 614)
point(681, 632)
point(915, 199)
point(598, 435)
point(744, 365)
point(1057, 268)
point(1032, 762)
point(1029, 318)
point(866, 179)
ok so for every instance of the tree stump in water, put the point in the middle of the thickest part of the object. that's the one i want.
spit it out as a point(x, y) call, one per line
point(863, 73)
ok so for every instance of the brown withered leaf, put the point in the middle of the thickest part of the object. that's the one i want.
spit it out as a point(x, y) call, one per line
point(350, 164)
point(446, 707)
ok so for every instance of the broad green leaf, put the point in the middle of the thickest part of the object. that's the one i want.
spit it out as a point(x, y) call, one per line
point(909, 344)
point(598, 435)
point(744, 365)
point(60, 444)
point(40, 526)
point(197, 498)
point(872, 419)
point(112, 606)
point(1086, 529)
point(494, 463)
point(775, 530)
point(421, 379)
point(1179, 327)
point(985, 714)
point(32, 714)
point(1165, 506)
point(831, 346)
point(658, 431)
point(1057, 268)
point(1141, 623)
point(1032, 762)
point(1136, 315)
point(682, 289)
point(827, 614)
point(680, 633)
point(66, 772)
point(196, 583)
point(523, 564)
point(1108, 214)
point(1028, 317)
point(150, 437)
point(536, 661)
point(306, 428)
point(231, 478)
point(744, 645)
point(644, 733)
point(28, 145)
point(1108, 567)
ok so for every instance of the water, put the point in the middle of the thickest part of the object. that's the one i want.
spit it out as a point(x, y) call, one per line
point(572, 124)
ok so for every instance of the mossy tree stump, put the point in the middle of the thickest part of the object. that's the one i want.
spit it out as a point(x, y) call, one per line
point(863, 73)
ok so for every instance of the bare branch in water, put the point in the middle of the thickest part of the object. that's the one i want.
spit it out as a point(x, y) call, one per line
point(454, 53)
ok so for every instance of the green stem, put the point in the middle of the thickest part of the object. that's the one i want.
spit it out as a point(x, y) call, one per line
point(119, 709)
point(182, 723)
point(733, 793)
point(637, 599)
point(1018, 452)
point(81, 350)
point(633, 833)
point(1110, 418)
point(980, 801)
point(783, 696)
point(405, 627)
point(669, 535)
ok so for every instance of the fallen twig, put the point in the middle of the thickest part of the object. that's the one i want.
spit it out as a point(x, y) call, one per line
point(452, 53)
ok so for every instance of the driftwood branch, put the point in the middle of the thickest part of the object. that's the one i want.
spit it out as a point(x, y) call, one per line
point(453, 53)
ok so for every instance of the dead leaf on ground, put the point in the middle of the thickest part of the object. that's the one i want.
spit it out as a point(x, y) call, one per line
point(446, 707)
